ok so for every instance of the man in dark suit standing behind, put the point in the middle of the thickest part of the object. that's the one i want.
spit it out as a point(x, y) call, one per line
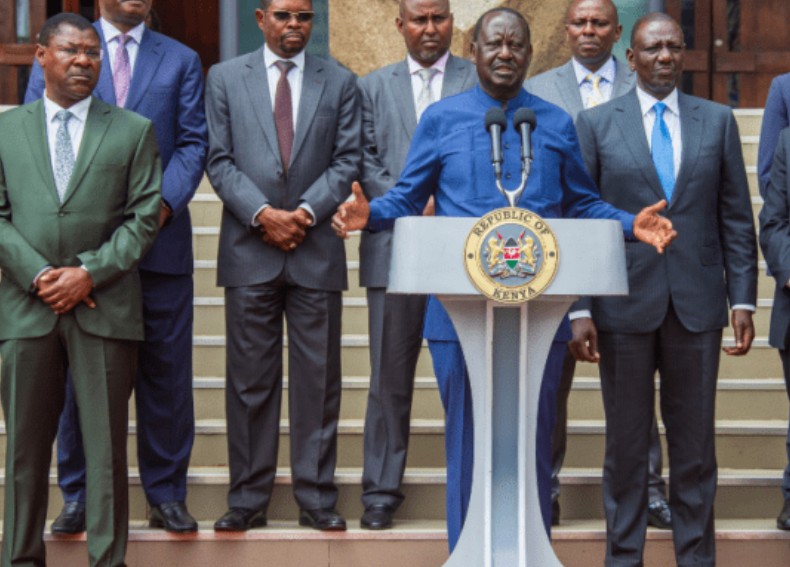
point(162, 80)
point(393, 99)
point(592, 77)
point(658, 142)
point(284, 136)
point(79, 203)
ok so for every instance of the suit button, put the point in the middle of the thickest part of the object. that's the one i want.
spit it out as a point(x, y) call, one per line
point(507, 146)
point(61, 214)
point(508, 176)
point(279, 173)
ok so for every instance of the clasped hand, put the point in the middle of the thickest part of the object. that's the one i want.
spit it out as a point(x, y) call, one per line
point(63, 288)
point(284, 229)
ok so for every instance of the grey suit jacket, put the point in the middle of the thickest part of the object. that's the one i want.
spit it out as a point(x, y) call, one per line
point(559, 86)
point(714, 258)
point(245, 168)
point(388, 122)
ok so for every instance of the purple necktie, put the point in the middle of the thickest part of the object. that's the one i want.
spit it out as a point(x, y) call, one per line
point(122, 73)
point(283, 113)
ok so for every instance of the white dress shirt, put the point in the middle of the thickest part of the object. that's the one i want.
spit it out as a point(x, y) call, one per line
point(437, 82)
point(75, 126)
point(606, 86)
point(295, 76)
point(111, 34)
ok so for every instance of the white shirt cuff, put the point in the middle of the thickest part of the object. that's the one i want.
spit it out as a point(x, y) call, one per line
point(580, 314)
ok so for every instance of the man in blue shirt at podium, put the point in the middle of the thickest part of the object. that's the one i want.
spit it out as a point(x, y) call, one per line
point(449, 159)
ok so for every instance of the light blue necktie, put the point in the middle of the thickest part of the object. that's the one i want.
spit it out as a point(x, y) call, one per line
point(64, 154)
point(663, 156)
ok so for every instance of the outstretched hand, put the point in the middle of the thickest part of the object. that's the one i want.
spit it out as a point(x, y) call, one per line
point(352, 215)
point(651, 228)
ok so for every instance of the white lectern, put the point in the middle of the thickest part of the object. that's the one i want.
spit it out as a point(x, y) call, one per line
point(505, 349)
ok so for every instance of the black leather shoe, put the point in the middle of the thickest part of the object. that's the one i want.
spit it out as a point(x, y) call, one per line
point(240, 520)
point(555, 513)
point(71, 519)
point(659, 515)
point(173, 517)
point(783, 521)
point(324, 519)
point(377, 517)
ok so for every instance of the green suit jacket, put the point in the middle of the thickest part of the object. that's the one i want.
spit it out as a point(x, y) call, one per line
point(107, 221)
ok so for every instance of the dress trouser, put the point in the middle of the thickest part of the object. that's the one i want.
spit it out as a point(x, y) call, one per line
point(454, 389)
point(163, 398)
point(785, 356)
point(395, 323)
point(656, 486)
point(254, 320)
point(688, 366)
point(33, 393)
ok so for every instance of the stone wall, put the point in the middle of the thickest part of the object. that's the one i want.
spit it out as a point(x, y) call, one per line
point(363, 35)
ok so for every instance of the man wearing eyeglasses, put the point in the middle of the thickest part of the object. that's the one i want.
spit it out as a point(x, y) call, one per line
point(284, 134)
point(162, 80)
point(80, 185)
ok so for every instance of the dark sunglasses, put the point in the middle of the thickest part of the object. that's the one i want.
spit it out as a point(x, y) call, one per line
point(285, 16)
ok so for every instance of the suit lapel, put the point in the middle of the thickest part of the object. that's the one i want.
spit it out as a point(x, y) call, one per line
point(691, 132)
point(36, 135)
point(257, 84)
point(629, 121)
point(454, 77)
point(623, 81)
point(312, 88)
point(105, 90)
point(568, 87)
point(149, 55)
point(400, 83)
point(96, 126)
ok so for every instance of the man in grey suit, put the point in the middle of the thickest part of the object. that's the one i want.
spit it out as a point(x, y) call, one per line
point(591, 77)
point(393, 99)
point(284, 137)
point(656, 141)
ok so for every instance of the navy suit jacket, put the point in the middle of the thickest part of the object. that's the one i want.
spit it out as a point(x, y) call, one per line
point(775, 118)
point(167, 88)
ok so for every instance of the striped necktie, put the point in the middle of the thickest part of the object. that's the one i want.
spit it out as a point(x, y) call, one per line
point(596, 96)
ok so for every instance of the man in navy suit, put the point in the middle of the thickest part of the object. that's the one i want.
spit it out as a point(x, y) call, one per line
point(772, 230)
point(160, 79)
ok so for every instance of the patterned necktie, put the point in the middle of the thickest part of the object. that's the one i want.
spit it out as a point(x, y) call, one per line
point(283, 113)
point(596, 96)
point(122, 71)
point(64, 154)
point(425, 96)
point(663, 156)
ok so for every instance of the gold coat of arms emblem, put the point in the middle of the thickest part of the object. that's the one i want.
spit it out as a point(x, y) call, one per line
point(511, 255)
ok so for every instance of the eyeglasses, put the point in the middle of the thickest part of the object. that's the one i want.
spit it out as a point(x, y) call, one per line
point(72, 53)
point(285, 16)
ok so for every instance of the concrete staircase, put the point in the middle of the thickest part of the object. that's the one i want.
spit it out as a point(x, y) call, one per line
point(751, 426)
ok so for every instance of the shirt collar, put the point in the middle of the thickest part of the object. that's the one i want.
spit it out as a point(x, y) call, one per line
point(606, 72)
point(439, 65)
point(79, 109)
point(647, 101)
point(111, 32)
point(270, 58)
point(522, 99)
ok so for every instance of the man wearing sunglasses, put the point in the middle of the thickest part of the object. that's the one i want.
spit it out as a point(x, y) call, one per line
point(284, 134)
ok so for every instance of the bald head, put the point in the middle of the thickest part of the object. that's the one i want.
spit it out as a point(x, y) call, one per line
point(591, 29)
point(427, 29)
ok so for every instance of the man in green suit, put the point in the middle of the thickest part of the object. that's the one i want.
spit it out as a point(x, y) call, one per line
point(79, 206)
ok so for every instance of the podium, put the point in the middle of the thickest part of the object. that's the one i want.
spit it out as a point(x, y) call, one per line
point(505, 347)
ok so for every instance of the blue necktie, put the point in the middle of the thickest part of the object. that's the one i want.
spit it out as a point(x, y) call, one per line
point(663, 156)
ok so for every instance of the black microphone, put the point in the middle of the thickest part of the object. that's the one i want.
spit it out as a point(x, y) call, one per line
point(524, 121)
point(496, 122)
